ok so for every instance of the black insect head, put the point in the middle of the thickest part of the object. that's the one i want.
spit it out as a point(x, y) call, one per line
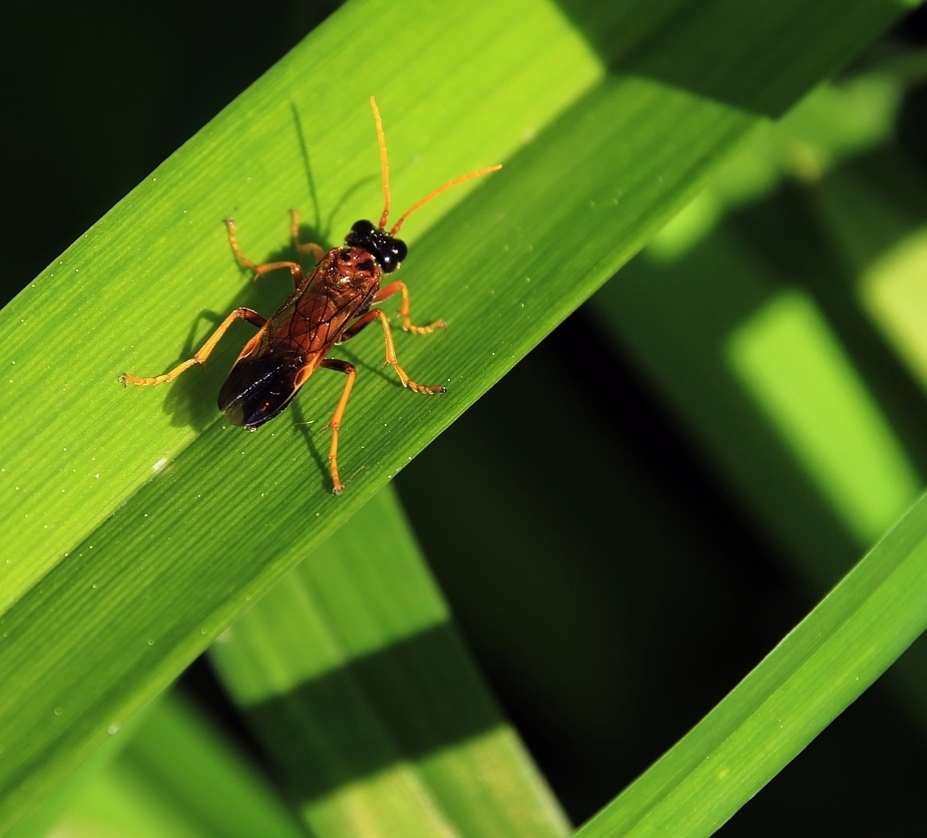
point(387, 250)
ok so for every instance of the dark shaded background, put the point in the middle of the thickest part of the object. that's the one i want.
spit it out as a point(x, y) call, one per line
point(98, 94)
point(651, 658)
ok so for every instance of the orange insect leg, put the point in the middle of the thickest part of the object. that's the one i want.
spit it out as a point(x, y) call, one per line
point(391, 359)
point(205, 350)
point(350, 371)
point(244, 261)
point(399, 286)
point(308, 247)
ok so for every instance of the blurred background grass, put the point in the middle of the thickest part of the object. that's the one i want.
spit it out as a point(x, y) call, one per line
point(655, 401)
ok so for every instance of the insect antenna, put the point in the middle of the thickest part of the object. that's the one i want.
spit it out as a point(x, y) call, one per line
point(384, 168)
point(384, 162)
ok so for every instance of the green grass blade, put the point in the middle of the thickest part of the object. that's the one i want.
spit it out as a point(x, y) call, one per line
point(115, 580)
point(353, 677)
point(43, 818)
point(876, 216)
point(178, 777)
point(820, 668)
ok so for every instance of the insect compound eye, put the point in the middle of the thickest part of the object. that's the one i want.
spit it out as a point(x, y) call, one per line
point(390, 252)
point(364, 235)
point(393, 255)
point(361, 230)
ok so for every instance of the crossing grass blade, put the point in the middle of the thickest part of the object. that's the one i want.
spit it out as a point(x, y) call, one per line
point(353, 654)
point(848, 641)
